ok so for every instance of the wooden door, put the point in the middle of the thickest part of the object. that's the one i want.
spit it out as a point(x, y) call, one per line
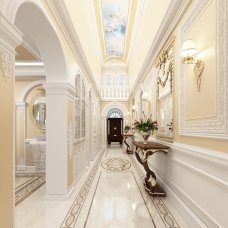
point(114, 130)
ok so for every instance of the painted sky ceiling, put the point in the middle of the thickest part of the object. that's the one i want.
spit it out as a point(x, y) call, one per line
point(115, 19)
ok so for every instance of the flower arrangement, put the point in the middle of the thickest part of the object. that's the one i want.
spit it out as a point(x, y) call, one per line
point(145, 124)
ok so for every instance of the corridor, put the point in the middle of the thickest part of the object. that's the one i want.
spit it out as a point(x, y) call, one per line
point(109, 194)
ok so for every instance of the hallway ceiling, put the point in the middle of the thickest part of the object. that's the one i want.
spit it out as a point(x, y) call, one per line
point(115, 19)
point(116, 34)
point(113, 34)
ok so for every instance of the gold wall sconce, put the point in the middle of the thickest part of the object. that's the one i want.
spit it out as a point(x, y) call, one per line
point(145, 97)
point(187, 53)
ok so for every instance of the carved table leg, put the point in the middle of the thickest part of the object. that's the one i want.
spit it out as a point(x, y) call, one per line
point(150, 181)
point(128, 150)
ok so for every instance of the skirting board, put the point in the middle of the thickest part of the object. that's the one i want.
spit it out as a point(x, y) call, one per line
point(209, 166)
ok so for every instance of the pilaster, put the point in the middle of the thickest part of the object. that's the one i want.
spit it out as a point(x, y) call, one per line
point(57, 159)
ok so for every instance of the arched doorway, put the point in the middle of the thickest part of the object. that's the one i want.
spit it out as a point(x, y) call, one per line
point(38, 30)
point(114, 126)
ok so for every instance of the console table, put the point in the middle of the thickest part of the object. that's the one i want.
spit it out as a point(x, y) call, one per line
point(142, 152)
point(128, 137)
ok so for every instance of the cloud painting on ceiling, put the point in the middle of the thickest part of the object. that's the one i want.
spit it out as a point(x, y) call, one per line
point(115, 20)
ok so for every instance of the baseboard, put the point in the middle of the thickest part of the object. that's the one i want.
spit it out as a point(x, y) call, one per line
point(179, 203)
point(62, 197)
point(191, 177)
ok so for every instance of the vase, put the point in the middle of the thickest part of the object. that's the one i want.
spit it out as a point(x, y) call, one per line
point(145, 136)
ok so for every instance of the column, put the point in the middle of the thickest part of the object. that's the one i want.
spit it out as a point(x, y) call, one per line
point(10, 38)
point(59, 167)
point(104, 131)
point(20, 135)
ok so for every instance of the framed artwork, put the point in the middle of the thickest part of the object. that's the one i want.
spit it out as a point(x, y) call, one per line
point(164, 71)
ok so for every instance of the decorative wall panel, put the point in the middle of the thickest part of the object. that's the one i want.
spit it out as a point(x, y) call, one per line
point(164, 71)
point(206, 114)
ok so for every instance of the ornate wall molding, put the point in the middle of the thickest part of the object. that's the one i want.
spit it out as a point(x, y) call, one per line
point(171, 20)
point(216, 127)
point(7, 63)
point(59, 10)
point(206, 170)
point(164, 73)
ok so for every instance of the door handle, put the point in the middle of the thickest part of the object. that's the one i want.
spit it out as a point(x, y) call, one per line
point(114, 135)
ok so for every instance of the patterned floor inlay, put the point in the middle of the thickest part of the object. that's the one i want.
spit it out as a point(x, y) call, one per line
point(74, 211)
point(165, 214)
point(28, 184)
point(118, 202)
point(116, 164)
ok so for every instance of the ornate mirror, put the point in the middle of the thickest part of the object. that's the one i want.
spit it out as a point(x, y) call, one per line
point(39, 112)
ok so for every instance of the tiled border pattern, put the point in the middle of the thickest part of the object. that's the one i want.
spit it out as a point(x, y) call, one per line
point(116, 164)
point(74, 211)
point(138, 190)
point(165, 214)
point(30, 186)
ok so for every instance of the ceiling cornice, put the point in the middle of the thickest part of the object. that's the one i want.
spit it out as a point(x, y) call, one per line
point(172, 17)
point(59, 10)
point(29, 71)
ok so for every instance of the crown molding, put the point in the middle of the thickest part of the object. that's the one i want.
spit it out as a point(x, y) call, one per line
point(60, 13)
point(59, 88)
point(172, 17)
point(28, 70)
point(10, 37)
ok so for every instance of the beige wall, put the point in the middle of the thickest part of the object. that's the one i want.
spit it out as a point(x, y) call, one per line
point(149, 24)
point(6, 151)
point(197, 104)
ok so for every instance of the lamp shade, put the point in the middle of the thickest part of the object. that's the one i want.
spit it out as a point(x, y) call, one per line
point(188, 49)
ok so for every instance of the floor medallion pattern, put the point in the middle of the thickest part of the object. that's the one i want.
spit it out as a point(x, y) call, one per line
point(165, 214)
point(74, 211)
point(116, 164)
point(34, 181)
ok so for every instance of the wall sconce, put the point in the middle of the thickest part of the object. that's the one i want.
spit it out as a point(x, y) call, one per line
point(187, 52)
point(145, 96)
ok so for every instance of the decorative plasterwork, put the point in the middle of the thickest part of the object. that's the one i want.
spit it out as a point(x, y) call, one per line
point(115, 21)
point(70, 139)
point(60, 12)
point(164, 72)
point(216, 127)
point(171, 19)
point(7, 64)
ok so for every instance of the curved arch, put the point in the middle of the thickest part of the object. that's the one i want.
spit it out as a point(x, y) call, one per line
point(28, 88)
point(31, 17)
point(115, 113)
point(106, 109)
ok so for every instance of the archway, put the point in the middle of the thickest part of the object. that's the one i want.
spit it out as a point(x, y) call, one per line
point(31, 19)
point(104, 113)
point(114, 126)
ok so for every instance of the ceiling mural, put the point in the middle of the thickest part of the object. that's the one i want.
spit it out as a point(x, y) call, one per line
point(113, 18)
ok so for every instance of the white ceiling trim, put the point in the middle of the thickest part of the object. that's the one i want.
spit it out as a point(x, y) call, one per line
point(173, 15)
point(59, 10)
point(29, 71)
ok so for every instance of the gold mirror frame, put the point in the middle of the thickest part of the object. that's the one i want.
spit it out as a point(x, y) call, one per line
point(164, 66)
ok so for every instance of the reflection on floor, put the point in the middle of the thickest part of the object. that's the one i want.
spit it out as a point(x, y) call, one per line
point(26, 184)
point(109, 194)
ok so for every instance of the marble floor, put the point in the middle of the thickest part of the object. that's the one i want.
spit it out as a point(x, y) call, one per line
point(26, 184)
point(109, 194)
